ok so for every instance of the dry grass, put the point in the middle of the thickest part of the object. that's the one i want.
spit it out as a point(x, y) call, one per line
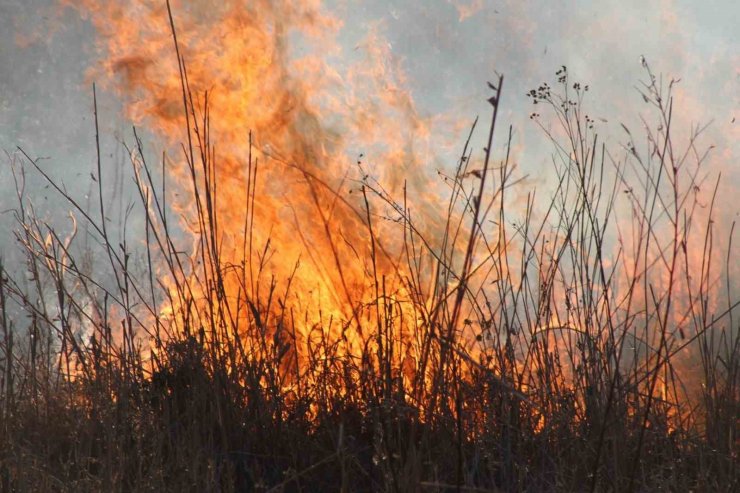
point(552, 363)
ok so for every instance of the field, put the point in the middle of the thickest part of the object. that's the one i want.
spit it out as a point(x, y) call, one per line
point(579, 338)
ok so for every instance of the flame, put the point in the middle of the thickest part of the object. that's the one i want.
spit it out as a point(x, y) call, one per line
point(301, 133)
point(297, 128)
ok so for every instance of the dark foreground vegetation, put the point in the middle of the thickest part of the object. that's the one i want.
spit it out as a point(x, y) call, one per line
point(533, 348)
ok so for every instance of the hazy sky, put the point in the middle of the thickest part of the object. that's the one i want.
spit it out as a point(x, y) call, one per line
point(448, 50)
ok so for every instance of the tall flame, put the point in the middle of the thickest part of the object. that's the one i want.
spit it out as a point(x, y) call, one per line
point(299, 128)
point(307, 139)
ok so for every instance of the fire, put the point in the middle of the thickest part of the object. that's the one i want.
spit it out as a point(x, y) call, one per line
point(288, 158)
point(270, 189)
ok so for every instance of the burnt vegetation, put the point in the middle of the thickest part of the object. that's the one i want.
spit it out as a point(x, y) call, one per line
point(539, 347)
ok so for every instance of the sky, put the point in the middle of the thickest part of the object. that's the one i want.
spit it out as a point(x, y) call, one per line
point(446, 49)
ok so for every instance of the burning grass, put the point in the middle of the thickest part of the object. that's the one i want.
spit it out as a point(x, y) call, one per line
point(583, 341)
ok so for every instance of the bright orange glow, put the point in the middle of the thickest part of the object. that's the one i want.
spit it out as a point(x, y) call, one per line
point(291, 138)
point(292, 236)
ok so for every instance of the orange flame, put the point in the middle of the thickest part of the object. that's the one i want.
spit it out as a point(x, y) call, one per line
point(300, 128)
point(296, 134)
